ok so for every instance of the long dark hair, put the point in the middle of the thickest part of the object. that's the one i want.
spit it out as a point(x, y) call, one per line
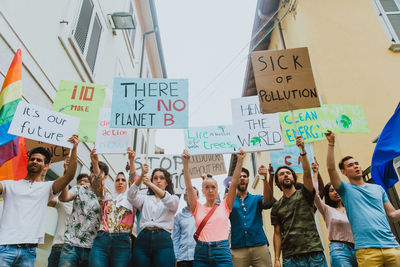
point(328, 200)
point(170, 185)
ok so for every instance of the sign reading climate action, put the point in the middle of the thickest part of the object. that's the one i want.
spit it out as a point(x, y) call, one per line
point(37, 123)
point(255, 131)
point(284, 80)
point(149, 103)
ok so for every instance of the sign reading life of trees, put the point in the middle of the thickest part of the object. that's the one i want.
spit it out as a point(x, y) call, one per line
point(284, 80)
point(149, 103)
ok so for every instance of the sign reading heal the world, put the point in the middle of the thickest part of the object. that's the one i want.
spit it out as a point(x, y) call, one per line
point(255, 131)
point(290, 156)
point(111, 140)
point(82, 100)
point(211, 140)
point(284, 80)
point(149, 103)
point(307, 124)
point(37, 123)
point(343, 119)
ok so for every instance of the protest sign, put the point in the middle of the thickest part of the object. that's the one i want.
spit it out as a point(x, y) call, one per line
point(212, 164)
point(284, 80)
point(58, 153)
point(290, 156)
point(211, 140)
point(82, 100)
point(149, 103)
point(111, 140)
point(343, 119)
point(37, 123)
point(255, 131)
point(307, 125)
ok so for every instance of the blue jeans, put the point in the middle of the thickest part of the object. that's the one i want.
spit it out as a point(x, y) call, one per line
point(110, 249)
point(54, 257)
point(74, 256)
point(153, 248)
point(14, 256)
point(213, 254)
point(313, 259)
point(342, 255)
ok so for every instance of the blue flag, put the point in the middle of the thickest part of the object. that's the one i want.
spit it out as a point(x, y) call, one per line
point(387, 148)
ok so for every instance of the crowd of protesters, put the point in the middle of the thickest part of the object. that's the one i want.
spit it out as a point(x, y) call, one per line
point(94, 227)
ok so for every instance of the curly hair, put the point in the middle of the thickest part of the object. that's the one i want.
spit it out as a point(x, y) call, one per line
point(170, 185)
point(43, 151)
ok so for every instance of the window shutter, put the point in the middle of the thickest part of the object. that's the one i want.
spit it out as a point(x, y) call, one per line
point(94, 43)
point(82, 27)
point(389, 5)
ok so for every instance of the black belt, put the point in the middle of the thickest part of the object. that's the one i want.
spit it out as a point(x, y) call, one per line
point(25, 245)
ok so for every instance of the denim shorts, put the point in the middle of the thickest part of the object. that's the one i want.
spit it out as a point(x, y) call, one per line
point(213, 254)
point(342, 255)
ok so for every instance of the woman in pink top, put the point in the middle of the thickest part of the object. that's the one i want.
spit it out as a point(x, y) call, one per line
point(212, 248)
point(341, 246)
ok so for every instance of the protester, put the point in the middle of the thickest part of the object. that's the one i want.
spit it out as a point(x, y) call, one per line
point(182, 236)
point(112, 245)
point(341, 246)
point(153, 246)
point(212, 248)
point(64, 209)
point(27, 199)
point(82, 225)
point(368, 210)
point(295, 232)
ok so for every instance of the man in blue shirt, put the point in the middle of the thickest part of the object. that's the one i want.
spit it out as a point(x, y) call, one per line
point(368, 210)
point(249, 245)
point(182, 236)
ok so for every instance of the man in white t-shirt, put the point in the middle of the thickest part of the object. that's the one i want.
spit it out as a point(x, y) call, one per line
point(22, 224)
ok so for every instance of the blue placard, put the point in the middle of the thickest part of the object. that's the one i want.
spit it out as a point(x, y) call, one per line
point(149, 103)
point(290, 156)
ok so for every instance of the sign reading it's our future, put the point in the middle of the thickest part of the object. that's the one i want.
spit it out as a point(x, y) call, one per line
point(149, 103)
point(284, 80)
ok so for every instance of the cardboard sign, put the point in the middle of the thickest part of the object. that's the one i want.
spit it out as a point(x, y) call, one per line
point(307, 121)
point(58, 153)
point(284, 80)
point(255, 131)
point(111, 140)
point(149, 103)
point(209, 164)
point(82, 100)
point(290, 156)
point(343, 119)
point(37, 123)
point(211, 140)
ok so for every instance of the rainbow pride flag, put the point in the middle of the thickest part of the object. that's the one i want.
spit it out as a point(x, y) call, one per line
point(12, 167)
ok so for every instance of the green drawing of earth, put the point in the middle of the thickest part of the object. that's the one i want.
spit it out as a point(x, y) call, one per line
point(343, 122)
point(255, 141)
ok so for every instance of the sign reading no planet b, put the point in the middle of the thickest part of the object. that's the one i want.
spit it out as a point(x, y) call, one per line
point(82, 100)
point(284, 80)
point(211, 140)
point(290, 156)
point(149, 103)
point(37, 123)
point(255, 131)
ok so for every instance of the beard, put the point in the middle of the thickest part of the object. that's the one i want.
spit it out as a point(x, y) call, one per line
point(240, 187)
point(34, 170)
point(287, 185)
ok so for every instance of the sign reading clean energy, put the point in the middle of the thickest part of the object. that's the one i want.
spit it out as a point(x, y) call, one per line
point(37, 123)
point(289, 156)
point(284, 80)
point(149, 103)
point(255, 131)
point(82, 100)
point(211, 140)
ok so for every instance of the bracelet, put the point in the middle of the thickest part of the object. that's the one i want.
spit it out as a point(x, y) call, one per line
point(331, 145)
point(305, 153)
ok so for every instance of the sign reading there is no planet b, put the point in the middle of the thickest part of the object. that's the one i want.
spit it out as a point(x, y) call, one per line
point(284, 80)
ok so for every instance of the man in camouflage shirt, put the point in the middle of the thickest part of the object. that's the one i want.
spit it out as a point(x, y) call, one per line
point(82, 225)
point(295, 232)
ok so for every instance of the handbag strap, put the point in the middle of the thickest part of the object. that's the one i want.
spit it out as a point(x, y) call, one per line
point(205, 220)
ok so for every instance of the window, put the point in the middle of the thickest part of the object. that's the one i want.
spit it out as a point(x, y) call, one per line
point(389, 11)
point(87, 33)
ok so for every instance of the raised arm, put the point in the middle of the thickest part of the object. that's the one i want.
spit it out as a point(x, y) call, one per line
point(61, 182)
point(132, 169)
point(230, 198)
point(191, 194)
point(277, 245)
point(267, 191)
point(307, 179)
point(98, 179)
point(66, 195)
point(330, 161)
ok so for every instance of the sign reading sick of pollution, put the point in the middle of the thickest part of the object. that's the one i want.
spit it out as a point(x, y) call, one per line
point(284, 80)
